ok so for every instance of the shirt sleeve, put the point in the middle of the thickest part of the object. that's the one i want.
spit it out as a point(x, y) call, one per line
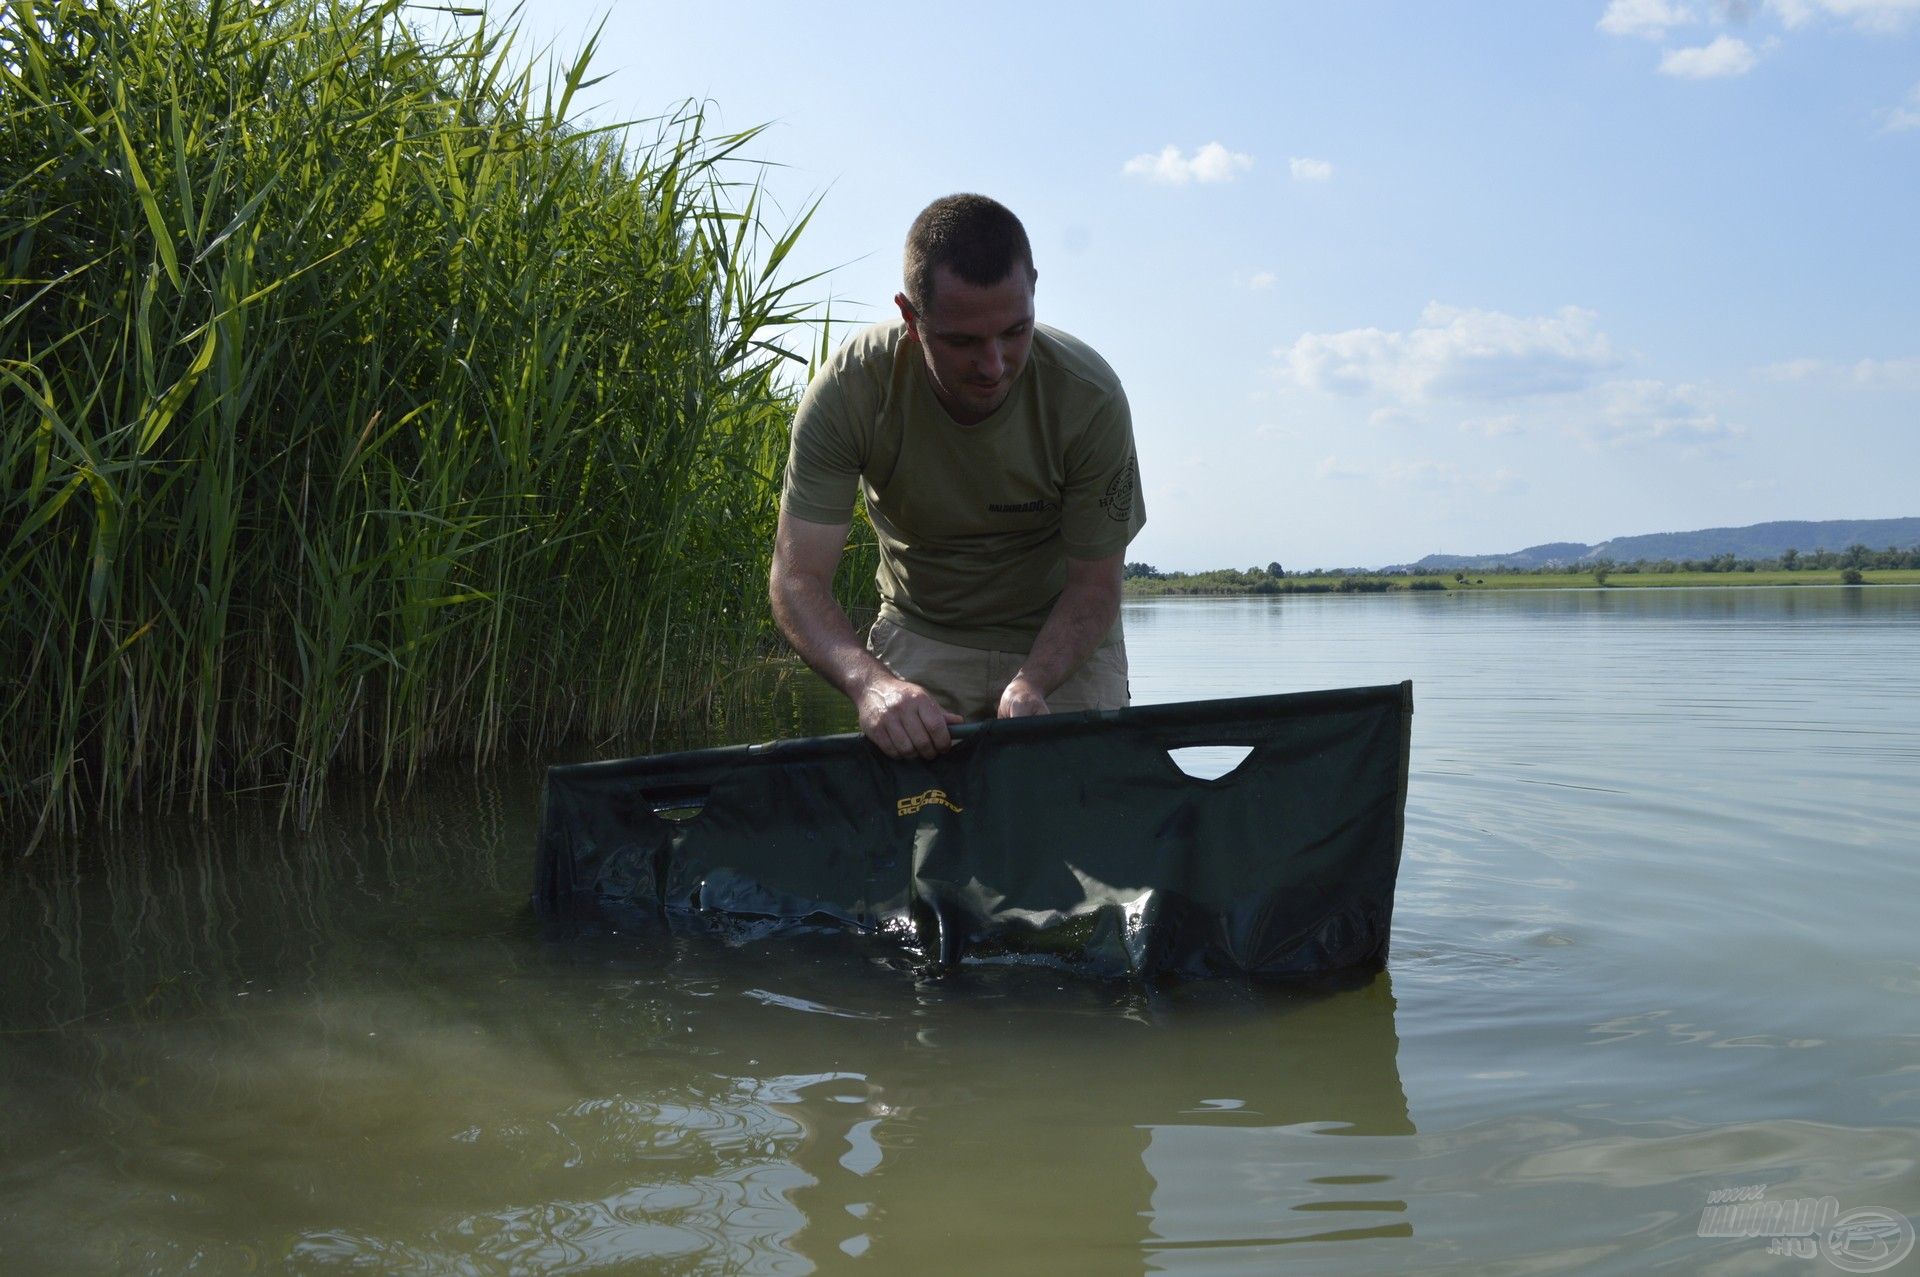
point(824, 458)
point(1101, 509)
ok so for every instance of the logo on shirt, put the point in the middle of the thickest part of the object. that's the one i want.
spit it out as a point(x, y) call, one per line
point(1023, 507)
point(932, 797)
point(1118, 501)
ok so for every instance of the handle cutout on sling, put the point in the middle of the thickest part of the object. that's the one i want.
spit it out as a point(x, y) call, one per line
point(677, 801)
point(1210, 762)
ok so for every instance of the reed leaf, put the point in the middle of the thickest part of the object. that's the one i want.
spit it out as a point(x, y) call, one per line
point(358, 408)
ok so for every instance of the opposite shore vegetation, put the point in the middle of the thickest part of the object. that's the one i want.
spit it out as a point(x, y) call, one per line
point(1232, 582)
point(1144, 581)
point(359, 409)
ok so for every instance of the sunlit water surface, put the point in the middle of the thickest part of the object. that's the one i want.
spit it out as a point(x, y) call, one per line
point(1655, 937)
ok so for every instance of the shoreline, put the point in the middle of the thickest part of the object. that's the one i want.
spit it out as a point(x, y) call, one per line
point(1363, 584)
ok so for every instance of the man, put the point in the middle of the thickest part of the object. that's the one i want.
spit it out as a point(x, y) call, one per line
point(997, 461)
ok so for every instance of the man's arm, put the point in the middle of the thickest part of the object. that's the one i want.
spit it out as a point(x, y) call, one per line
point(1079, 620)
point(902, 718)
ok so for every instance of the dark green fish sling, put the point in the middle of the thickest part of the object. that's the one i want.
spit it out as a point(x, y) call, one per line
point(1072, 839)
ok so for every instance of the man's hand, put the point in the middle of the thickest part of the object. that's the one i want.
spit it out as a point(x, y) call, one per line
point(903, 719)
point(1022, 699)
point(1081, 617)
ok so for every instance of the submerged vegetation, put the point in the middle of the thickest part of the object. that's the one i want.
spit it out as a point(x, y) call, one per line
point(357, 407)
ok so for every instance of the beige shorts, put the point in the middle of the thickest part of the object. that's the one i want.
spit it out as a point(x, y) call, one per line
point(969, 680)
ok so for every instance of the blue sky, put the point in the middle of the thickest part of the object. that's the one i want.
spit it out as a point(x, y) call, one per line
point(1386, 279)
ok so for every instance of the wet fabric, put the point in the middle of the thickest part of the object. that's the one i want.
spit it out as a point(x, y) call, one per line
point(1070, 839)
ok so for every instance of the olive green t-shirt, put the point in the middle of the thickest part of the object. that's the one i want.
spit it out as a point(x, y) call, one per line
point(975, 523)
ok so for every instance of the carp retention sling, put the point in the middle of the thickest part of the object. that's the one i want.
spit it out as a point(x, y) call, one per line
point(1073, 839)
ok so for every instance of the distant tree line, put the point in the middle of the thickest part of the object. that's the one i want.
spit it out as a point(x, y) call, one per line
point(1272, 579)
point(1856, 556)
point(1268, 580)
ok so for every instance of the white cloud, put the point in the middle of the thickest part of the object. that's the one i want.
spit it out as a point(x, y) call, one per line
point(1646, 411)
point(1306, 170)
point(1211, 163)
point(1537, 373)
point(1895, 372)
point(1859, 372)
point(1650, 19)
point(1456, 353)
point(1492, 427)
point(1424, 472)
point(1898, 119)
point(1726, 56)
point(1795, 370)
point(1261, 280)
point(1884, 17)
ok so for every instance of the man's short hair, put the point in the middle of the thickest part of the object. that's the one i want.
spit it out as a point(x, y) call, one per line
point(976, 238)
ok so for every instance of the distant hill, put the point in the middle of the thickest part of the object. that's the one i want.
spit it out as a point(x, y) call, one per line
point(1757, 541)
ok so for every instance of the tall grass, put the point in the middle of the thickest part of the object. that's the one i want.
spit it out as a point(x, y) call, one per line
point(358, 408)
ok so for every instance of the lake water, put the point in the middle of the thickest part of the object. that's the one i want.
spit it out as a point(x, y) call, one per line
point(1655, 938)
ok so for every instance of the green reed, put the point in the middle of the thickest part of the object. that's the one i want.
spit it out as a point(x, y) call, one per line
point(357, 408)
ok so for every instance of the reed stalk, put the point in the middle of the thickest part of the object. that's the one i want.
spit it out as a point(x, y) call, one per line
point(358, 408)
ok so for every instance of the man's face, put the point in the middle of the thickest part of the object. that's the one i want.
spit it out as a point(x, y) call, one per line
point(976, 339)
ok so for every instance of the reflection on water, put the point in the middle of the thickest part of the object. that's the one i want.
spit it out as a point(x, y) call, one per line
point(314, 1051)
point(1652, 940)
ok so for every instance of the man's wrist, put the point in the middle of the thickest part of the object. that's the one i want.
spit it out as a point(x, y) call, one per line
point(862, 673)
point(1031, 679)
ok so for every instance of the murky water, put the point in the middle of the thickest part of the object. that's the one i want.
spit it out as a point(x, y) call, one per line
point(1655, 938)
